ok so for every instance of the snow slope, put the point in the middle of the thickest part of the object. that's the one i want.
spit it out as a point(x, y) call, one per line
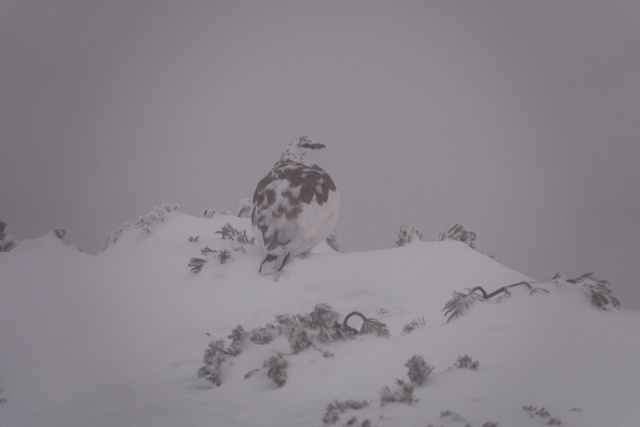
point(117, 339)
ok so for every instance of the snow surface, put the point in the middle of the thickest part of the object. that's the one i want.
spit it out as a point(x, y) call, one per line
point(117, 339)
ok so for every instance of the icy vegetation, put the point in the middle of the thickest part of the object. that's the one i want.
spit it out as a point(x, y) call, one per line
point(172, 325)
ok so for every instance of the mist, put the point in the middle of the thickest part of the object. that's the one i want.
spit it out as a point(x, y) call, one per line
point(517, 118)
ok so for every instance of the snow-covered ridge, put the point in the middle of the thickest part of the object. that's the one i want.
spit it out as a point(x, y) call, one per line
point(119, 338)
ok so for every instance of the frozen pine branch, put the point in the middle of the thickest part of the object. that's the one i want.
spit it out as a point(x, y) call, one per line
point(303, 331)
point(407, 234)
point(369, 325)
point(144, 222)
point(401, 394)
point(237, 337)
point(542, 413)
point(60, 232)
point(599, 291)
point(214, 356)
point(276, 369)
point(337, 408)
point(157, 215)
point(419, 370)
point(228, 232)
point(196, 264)
point(208, 213)
point(466, 362)
point(460, 233)
point(460, 302)
point(6, 244)
point(3, 225)
point(224, 255)
point(414, 324)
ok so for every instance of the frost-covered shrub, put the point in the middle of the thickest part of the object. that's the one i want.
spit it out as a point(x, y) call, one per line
point(156, 215)
point(143, 222)
point(217, 353)
point(214, 355)
point(414, 324)
point(460, 302)
point(401, 394)
point(542, 413)
point(369, 325)
point(6, 244)
point(419, 370)
point(210, 213)
point(460, 233)
point(453, 416)
point(353, 420)
point(600, 292)
point(60, 232)
point(466, 362)
point(228, 232)
point(336, 408)
point(303, 331)
point(407, 234)
point(276, 369)
point(196, 264)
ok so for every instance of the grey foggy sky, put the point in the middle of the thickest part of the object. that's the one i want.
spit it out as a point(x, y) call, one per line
point(518, 118)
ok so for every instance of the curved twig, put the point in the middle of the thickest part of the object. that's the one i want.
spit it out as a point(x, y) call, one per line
point(348, 316)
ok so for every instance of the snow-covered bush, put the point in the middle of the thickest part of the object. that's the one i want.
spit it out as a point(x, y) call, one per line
point(217, 353)
point(542, 413)
point(460, 302)
point(414, 324)
point(337, 408)
point(407, 234)
point(466, 362)
point(144, 222)
point(419, 370)
point(6, 244)
point(228, 232)
point(210, 213)
point(60, 232)
point(600, 292)
point(460, 233)
point(303, 331)
point(401, 394)
point(369, 325)
point(222, 256)
point(276, 369)
point(459, 419)
point(156, 215)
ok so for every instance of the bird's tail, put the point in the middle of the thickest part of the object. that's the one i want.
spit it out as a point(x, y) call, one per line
point(273, 263)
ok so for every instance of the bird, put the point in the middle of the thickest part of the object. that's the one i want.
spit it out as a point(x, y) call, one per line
point(295, 206)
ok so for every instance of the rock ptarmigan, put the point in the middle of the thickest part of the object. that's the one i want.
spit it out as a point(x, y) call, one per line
point(295, 206)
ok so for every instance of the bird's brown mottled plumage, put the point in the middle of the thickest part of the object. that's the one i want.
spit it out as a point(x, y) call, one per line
point(291, 212)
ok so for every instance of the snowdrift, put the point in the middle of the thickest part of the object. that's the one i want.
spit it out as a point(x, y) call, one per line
point(118, 339)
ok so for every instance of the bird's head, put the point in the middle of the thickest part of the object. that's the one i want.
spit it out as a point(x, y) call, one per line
point(302, 150)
